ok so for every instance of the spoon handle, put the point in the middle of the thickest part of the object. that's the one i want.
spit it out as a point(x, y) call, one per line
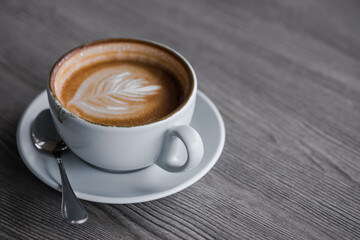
point(71, 208)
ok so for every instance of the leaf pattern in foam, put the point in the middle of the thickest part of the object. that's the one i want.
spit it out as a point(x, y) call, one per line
point(111, 95)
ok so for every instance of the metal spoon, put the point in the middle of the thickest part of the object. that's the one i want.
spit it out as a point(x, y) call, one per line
point(46, 139)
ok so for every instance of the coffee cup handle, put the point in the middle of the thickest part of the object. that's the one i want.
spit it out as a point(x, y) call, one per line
point(168, 160)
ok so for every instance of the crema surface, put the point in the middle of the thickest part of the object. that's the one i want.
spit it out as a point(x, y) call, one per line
point(121, 93)
point(121, 82)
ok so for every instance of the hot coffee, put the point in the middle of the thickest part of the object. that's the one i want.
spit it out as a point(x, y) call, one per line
point(121, 84)
point(121, 93)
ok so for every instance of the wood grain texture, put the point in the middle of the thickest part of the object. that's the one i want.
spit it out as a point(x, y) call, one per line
point(285, 76)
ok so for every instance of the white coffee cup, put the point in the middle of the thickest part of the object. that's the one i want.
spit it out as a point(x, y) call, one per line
point(130, 148)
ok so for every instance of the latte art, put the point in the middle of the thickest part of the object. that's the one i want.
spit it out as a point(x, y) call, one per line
point(112, 93)
point(121, 93)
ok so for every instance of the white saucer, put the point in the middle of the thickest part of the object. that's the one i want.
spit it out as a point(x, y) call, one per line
point(95, 185)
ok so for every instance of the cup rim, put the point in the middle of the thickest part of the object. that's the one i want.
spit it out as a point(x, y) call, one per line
point(182, 60)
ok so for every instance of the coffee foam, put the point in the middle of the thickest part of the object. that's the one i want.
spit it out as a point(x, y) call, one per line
point(121, 84)
point(111, 92)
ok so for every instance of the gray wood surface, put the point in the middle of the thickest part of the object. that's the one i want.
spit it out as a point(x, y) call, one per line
point(286, 78)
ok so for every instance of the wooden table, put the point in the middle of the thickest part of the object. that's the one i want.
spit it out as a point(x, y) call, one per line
point(285, 76)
